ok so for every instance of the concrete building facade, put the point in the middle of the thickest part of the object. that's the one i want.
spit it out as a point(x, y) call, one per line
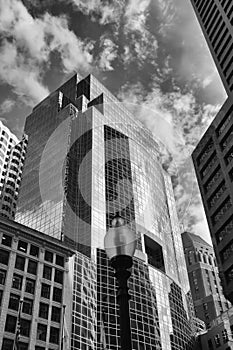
point(35, 289)
point(216, 20)
point(213, 162)
point(206, 289)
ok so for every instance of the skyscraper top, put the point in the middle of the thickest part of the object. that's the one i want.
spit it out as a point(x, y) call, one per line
point(216, 20)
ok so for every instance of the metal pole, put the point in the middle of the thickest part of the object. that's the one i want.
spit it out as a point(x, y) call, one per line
point(121, 263)
point(62, 328)
point(17, 334)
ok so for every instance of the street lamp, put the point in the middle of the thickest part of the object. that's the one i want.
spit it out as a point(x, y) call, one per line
point(120, 245)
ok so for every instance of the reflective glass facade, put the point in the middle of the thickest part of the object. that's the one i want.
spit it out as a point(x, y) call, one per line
point(88, 160)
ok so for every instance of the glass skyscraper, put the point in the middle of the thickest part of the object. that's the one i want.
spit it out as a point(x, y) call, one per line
point(89, 159)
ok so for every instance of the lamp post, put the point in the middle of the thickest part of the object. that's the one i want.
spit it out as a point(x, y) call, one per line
point(120, 245)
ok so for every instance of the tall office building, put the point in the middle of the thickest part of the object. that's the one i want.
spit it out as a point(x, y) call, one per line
point(89, 159)
point(208, 298)
point(216, 20)
point(214, 169)
point(12, 155)
point(212, 156)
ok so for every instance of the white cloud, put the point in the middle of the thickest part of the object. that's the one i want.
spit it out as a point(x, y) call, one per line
point(23, 75)
point(97, 10)
point(135, 15)
point(108, 53)
point(179, 122)
point(6, 106)
point(27, 45)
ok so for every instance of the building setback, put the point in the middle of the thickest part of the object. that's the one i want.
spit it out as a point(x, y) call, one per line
point(208, 298)
point(88, 159)
point(216, 21)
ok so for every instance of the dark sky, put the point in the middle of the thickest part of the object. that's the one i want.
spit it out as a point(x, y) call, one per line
point(150, 53)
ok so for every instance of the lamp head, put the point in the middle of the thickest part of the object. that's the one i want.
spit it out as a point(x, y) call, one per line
point(119, 239)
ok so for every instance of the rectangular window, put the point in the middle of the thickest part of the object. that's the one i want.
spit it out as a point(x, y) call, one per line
point(217, 340)
point(41, 332)
point(210, 345)
point(30, 286)
point(4, 257)
point(10, 324)
point(27, 306)
point(58, 276)
point(54, 335)
point(14, 302)
point(34, 251)
point(56, 314)
point(32, 267)
point(2, 276)
point(45, 291)
point(6, 240)
point(20, 263)
point(48, 256)
point(22, 346)
point(1, 294)
point(57, 294)
point(22, 246)
point(47, 273)
point(60, 260)
point(17, 281)
point(44, 310)
point(25, 327)
point(7, 344)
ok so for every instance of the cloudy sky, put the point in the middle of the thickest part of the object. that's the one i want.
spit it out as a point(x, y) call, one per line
point(150, 53)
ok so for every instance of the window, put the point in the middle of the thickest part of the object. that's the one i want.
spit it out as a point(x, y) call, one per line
point(41, 331)
point(34, 251)
point(22, 346)
point(44, 310)
point(224, 336)
point(1, 293)
point(14, 302)
point(45, 291)
point(10, 324)
point(217, 340)
point(56, 314)
point(17, 281)
point(47, 273)
point(58, 276)
point(39, 347)
point(27, 306)
point(22, 246)
point(48, 256)
point(25, 327)
point(7, 344)
point(19, 263)
point(210, 344)
point(54, 335)
point(57, 294)
point(2, 276)
point(30, 286)
point(32, 267)
point(6, 240)
point(4, 257)
point(60, 260)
